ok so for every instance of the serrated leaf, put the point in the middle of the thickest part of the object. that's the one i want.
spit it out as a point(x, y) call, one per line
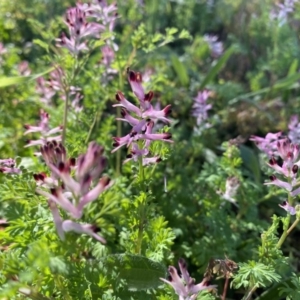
point(139, 272)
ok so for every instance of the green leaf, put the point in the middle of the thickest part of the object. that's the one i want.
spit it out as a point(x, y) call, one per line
point(282, 84)
point(251, 162)
point(273, 293)
point(293, 67)
point(139, 272)
point(7, 81)
point(42, 44)
point(180, 70)
point(214, 71)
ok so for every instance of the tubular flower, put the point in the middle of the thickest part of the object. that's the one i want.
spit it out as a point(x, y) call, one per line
point(142, 119)
point(268, 144)
point(184, 285)
point(44, 130)
point(200, 108)
point(7, 166)
point(215, 47)
point(294, 130)
point(289, 154)
point(72, 193)
point(79, 29)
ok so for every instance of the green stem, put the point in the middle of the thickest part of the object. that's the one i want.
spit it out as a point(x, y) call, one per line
point(97, 117)
point(141, 208)
point(293, 226)
point(248, 297)
point(65, 120)
point(285, 231)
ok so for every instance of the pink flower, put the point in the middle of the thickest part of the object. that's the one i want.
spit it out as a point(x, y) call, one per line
point(7, 166)
point(184, 285)
point(287, 207)
point(215, 47)
point(294, 130)
point(268, 144)
point(200, 108)
point(63, 226)
point(79, 29)
point(44, 130)
point(72, 192)
point(141, 118)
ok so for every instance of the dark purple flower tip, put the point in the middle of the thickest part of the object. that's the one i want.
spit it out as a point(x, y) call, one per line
point(103, 162)
point(26, 126)
point(158, 160)
point(290, 155)
point(295, 169)
point(124, 112)
point(149, 96)
point(167, 110)
point(132, 76)
point(58, 151)
point(87, 178)
point(129, 155)
point(167, 136)
point(54, 192)
point(61, 167)
point(273, 177)
point(133, 133)
point(36, 177)
point(272, 161)
point(172, 271)
point(105, 181)
point(72, 162)
point(41, 176)
point(182, 263)
point(119, 96)
point(116, 144)
point(95, 228)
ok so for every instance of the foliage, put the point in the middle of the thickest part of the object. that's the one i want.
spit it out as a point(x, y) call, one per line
point(181, 185)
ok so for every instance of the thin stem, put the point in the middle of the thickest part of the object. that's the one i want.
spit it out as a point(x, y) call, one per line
point(65, 120)
point(141, 209)
point(248, 297)
point(97, 117)
point(293, 226)
point(286, 223)
point(285, 231)
point(225, 288)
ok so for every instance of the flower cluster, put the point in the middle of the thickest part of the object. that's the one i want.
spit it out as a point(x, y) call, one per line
point(215, 47)
point(282, 11)
point(8, 166)
point(105, 14)
point(44, 130)
point(72, 193)
point(289, 154)
point(268, 144)
point(184, 285)
point(294, 130)
point(101, 11)
point(232, 185)
point(200, 108)
point(48, 88)
point(79, 29)
point(142, 120)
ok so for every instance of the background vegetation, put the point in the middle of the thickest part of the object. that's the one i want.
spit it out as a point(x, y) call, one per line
point(251, 71)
